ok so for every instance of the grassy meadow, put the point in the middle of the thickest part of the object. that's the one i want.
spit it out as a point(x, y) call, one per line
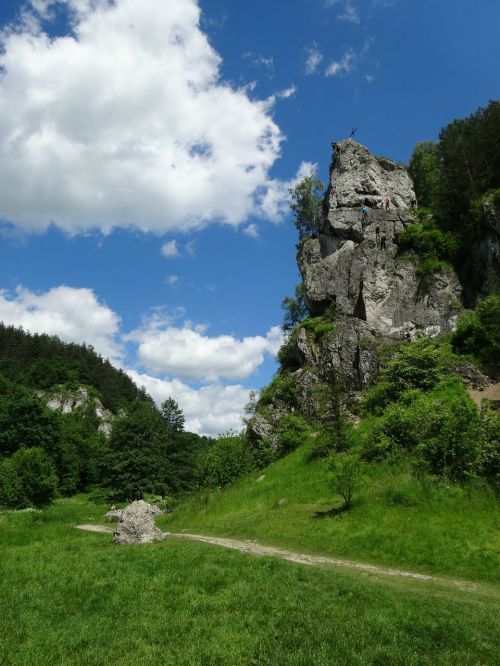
point(74, 598)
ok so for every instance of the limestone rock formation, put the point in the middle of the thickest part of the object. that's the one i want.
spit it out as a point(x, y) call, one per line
point(368, 295)
point(136, 524)
point(357, 177)
point(347, 263)
point(67, 401)
point(113, 515)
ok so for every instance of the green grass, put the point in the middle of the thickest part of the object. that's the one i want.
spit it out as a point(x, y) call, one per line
point(74, 598)
point(426, 526)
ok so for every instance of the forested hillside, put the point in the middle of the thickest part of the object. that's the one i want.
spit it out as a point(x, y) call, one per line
point(45, 453)
point(43, 361)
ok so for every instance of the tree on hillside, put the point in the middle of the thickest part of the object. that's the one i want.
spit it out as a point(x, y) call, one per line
point(294, 309)
point(469, 154)
point(307, 205)
point(137, 460)
point(26, 422)
point(172, 415)
point(424, 170)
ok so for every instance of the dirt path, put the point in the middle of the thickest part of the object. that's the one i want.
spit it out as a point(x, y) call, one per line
point(257, 549)
point(491, 392)
point(254, 548)
point(95, 528)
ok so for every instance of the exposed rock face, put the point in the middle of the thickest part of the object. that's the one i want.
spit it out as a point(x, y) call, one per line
point(348, 264)
point(113, 515)
point(357, 177)
point(136, 525)
point(66, 402)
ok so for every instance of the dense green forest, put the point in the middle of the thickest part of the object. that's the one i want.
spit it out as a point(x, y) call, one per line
point(457, 182)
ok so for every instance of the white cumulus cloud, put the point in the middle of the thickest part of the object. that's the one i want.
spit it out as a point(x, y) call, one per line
point(209, 410)
point(349, 14)
point(189, 354)
point(75, 315)
point(275, 201)
point(125, 121)
point(252, 230)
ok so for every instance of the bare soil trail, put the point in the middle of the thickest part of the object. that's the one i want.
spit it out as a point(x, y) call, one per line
point(259, 550)
point(95, 528)
point(490, 392)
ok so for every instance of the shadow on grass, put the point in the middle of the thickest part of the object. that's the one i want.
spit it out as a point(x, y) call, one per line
point(334, 511)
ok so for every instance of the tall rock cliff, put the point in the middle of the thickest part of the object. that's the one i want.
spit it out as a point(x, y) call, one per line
point(354, 278)
point(349, 263)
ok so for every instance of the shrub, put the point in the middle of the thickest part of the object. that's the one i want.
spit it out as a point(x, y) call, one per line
point(318, 326)
point(335, 437)
point(288, 354)
point(282, 388)
point(416, 366)
point(452, 441)
point(293, 431)
point(444, 436)
point(478, 333)
point(427, 240)
point(490, 456)
point(226, 460)
point(27, 478)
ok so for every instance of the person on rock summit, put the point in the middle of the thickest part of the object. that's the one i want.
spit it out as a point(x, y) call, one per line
point(387, 203)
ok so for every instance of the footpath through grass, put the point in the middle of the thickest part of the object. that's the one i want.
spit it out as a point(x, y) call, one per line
point(431, 527)
point(72, 597)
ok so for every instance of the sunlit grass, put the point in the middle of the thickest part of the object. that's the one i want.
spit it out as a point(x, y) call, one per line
point(71, 597)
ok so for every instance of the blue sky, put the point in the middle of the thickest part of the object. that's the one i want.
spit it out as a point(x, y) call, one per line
point(146, 150)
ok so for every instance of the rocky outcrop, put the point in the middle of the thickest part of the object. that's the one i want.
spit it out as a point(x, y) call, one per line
point(357, 178)
point(67, 401)
point(136, 524)
point(113, 515)
point(361, 294)
point(349, 264)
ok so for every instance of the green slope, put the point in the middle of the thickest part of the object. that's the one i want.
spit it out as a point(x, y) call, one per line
point(427, 526)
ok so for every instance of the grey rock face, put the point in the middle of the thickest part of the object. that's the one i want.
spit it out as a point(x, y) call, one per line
point(357, 177)
point(67, 402)
point(349, 264)
point(136, 525)
point(113, 515)
point(349, 350)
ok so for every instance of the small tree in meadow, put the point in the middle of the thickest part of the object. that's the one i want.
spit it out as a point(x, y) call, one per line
point(345, 471)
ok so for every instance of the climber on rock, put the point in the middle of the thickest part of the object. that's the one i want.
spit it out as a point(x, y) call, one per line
point(377, 235)
point(383, 240)
point(387, 203)
point(336, 147)
point(364, 215)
